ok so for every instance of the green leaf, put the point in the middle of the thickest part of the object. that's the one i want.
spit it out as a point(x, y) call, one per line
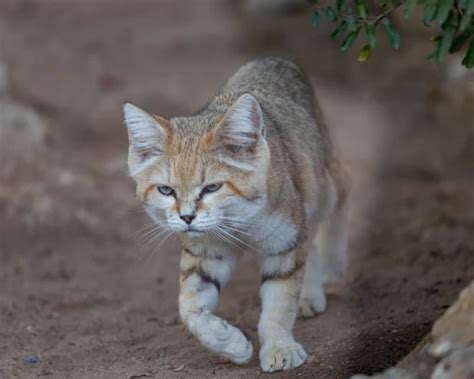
point(361, 8)
point(442, 12)
point(392, 32)
point(384, 6)
point(468, 60)
point(340, 5)
point(339, 30)
point(315, 19)
point(364, 53)
point(447, 37)
point(330, 14)
point(349, 40)
point(370, 30)
point(409, 6)
point(429, 13)
point(451, 22)
point(470, 6)
point(351, 23)
point(432, 55)
point(462, 4)
point(465, 21)
point(459, 42)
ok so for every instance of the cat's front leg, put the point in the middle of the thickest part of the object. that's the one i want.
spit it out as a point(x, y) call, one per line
point(201, 279)
point(281, 277)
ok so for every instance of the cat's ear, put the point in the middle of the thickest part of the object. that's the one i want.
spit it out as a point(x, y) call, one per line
point(147, 135)
point(241, 130)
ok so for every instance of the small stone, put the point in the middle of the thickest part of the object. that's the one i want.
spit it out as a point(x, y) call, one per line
point(31, 359)
point(171, 320)
point(179, 368)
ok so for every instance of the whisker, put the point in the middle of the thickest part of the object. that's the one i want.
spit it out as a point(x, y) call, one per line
point(148, 241)
point(223, 237)
point(237, 229)
point(142, 228)
point(226, 239)
point(217, 235)
point(157, 247)
point(238, 221)
point(230, 235)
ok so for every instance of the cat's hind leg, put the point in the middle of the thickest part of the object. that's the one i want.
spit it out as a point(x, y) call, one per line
point(326, 261)
point(201, 280)
point(312, 299)
point(331, 242)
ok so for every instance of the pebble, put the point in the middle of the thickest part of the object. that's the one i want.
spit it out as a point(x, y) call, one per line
point(31, 359)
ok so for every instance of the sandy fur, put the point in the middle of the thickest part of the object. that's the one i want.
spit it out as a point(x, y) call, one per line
point(282, 194)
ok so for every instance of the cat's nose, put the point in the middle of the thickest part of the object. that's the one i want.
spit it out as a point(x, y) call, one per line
point(188, 219)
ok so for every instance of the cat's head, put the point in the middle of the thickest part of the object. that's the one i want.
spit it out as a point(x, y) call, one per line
point(205, 174)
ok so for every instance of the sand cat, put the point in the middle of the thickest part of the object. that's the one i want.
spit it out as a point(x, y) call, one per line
point(255, 167)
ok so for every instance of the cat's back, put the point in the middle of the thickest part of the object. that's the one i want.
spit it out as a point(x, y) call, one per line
point(298, 138)
point(273, 78)
point(294, 122)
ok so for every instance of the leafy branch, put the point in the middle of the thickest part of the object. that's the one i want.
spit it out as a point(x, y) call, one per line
point(455, 19)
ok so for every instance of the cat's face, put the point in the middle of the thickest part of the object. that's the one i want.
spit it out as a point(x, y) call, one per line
point(200, 176)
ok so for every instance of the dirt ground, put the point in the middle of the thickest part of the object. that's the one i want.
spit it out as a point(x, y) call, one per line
point(83, 296)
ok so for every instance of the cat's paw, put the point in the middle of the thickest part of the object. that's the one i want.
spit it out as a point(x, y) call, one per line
point(277, 357)
point(311, 306)
point(223, 338)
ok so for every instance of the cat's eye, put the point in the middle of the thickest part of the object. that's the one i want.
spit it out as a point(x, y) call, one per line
point(211, 188)
point(165, 190)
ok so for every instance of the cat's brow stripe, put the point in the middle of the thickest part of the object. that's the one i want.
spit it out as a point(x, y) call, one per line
point(282, 275)
point(234, 189)
point(147, 191)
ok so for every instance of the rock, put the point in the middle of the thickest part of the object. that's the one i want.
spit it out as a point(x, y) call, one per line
point(393, 373)
point(457, 365)
point(3, 79)
point(22, 133)
point(455, 329)
point(447, 352)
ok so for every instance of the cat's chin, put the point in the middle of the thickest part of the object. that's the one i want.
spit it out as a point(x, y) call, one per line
point(193, 233)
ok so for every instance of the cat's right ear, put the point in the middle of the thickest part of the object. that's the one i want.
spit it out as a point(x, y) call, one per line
point(147, 135)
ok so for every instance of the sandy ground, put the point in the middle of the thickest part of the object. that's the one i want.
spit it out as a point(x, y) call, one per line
point(83, 296)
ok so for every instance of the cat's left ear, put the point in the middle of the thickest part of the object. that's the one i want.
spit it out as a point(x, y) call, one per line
point(240, 133)
point(242, 127)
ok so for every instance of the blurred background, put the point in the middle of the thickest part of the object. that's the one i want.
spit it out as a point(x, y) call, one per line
point(83, 293)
